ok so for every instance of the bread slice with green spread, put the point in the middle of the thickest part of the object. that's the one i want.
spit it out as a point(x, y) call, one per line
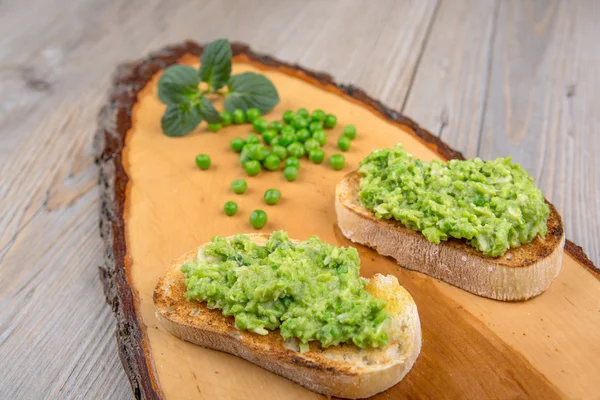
point(343, 370)
point(519, 273)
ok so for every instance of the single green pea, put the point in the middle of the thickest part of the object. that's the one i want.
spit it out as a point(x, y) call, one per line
point(303, 135)
point(311, 144)
point(296, 149)
point(316, 155)
point(330, 121)
point(258, 219)
point(269, 135)
point(337, 161)
point(203, 161)
point(303, 112)
point(286, 129)
point(318, 115)
point(290, 173)
point(350, 132)
point(239, 186)
point(272, 162)
point(288, 116)
point(255, 152)
point(252, 114)
point(245, 153)
point(287, 138)
point(230, 208)
point(272, 196)
point(279, 151)
point(260, 125)
point(320, 136)
point(315, 126)
point(238, 117)
point(252, 139)
point(343, 143)
point(300, 122)
point(292, 162)
point(276, 125)
point(214, 127)
point(237, 144)
point(225, 118)
point(275, 141)
point(252, 167)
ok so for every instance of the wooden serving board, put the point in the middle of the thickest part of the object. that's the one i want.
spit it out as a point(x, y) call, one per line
point(157, 204)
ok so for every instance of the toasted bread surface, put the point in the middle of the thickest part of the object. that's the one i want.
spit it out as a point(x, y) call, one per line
point(521, 273)
point(343, 371)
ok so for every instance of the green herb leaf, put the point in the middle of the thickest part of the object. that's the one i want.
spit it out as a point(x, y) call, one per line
point(180, 119)
point(178, 84)
point(215, 68)
point(208, 112)
point(250, 90)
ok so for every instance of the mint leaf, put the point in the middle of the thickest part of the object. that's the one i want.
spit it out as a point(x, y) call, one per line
point(178, 84)
point(208, 112)
point(215, 66)
point(180, 119)
point(250, 90)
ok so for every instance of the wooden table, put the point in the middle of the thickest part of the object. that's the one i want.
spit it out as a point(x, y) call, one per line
point(492, 78)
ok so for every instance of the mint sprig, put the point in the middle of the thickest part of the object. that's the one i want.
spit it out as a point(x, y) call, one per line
point(188, 104)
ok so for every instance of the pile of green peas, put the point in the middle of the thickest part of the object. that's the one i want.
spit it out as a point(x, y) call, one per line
point(297, 135)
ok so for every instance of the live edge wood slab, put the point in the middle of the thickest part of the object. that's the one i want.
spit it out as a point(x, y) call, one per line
point(156, 205)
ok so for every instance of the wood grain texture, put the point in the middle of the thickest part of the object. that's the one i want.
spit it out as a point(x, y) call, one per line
point(56, 59)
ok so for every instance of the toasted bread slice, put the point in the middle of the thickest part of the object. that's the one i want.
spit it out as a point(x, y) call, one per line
point(521, 273)
point(344, 371)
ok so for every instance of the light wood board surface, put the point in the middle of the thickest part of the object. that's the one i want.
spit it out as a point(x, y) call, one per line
point(493, 78)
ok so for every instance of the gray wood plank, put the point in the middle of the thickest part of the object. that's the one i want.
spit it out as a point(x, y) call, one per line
point(56, 59)
point(544, 85)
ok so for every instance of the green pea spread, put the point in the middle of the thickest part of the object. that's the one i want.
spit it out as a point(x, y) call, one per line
point(310, 290)
point(494, 205)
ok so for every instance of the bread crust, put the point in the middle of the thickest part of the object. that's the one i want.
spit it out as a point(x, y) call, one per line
point(521, 273)
point(343, 371)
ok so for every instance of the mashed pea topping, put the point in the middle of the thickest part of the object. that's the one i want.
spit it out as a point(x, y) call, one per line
point(494, 205)
point(310, 290)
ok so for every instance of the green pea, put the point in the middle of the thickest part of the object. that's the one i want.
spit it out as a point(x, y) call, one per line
point(203, 161)
point(350, 131)
point(287, 138)
point(252, 114)
point(272, 196)
point(303, 112)
point(279, 151)
point(287, 129)
point(275, 141)
point(316, 155)
point(258, 219)
point(252, 167)
point(214, 127)
point(288, 116)
point(292, 162)
point(256, 152)
point(299, 122)
point(343, 143)
point(290, 173)
point(264, 152)
point(320, 136)
point(237, 144)
point(296, 150)
point(330, 121)
point(225, 118)
point(230, 208)
point(252, 139)
point(272, 162)
point(269, 135)
point(311, 144)
point(238, 117)
point(303, 135)
point(337, 161)
point(260, 125)
point(239, 186)
point(245, 153)
point(315, 126)
point(318, 115)
point(276, 125)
